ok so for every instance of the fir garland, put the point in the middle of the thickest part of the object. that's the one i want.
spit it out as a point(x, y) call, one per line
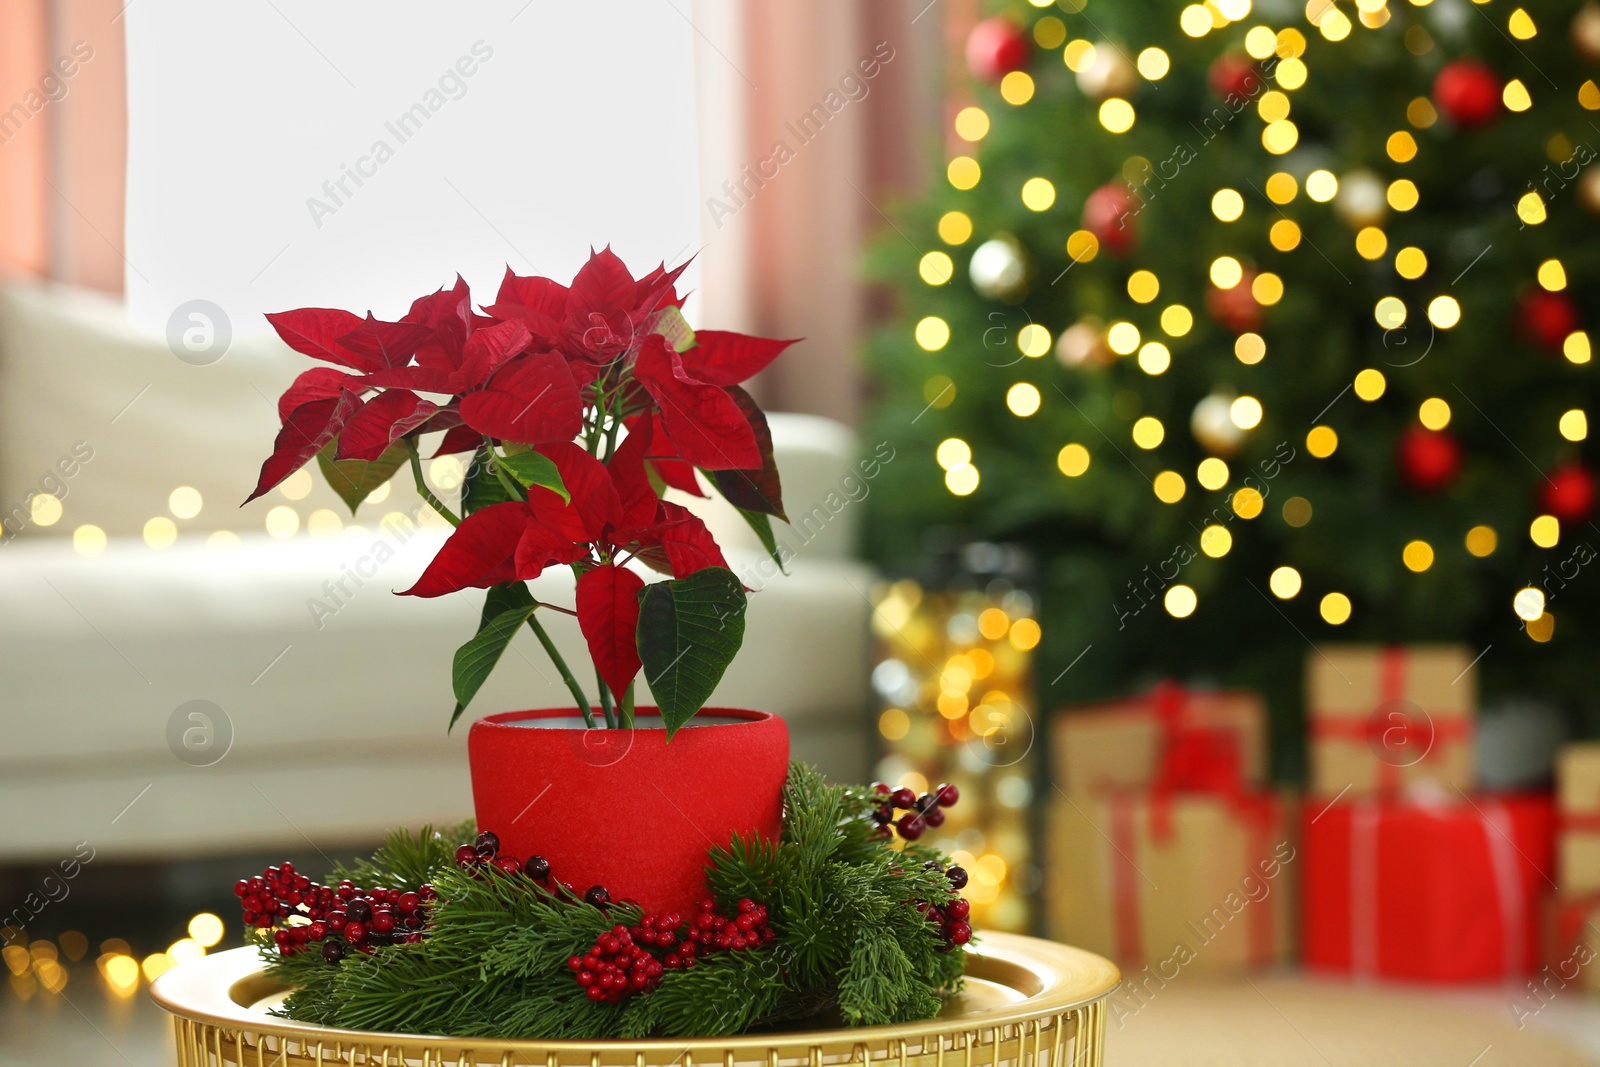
point(858, 931)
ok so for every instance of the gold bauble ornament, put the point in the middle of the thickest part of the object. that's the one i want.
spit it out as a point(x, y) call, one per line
point(1083, 344)
point(1213, 426)
point(1111, 74)
point(1362, 199)
point(1588, 191)
point(1586, 33)
point(999, 269)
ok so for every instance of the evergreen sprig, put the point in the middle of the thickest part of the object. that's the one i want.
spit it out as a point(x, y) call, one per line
point(494, 964)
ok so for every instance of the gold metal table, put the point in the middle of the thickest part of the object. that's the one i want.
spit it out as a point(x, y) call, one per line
point(1027, 1003)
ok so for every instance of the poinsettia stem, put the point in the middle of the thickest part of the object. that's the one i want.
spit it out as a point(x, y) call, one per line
point(605, 699)
point(422, 486)
point(566, 673)
point(627, 707)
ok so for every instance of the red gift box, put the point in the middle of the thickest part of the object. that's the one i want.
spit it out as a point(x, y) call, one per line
point(1445, 892)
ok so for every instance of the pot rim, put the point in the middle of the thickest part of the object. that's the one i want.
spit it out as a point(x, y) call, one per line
point(508, 720)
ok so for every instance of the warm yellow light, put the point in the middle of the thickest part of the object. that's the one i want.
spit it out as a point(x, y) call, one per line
point(155, 965)
point(1153, 64)
point(282, 522)
point(1049, 31)
point(1273, 106)
point(1543, 628)
point(1417, 556)
point(1116, 114)
point(1215, 541)
point(1402, 194)
point(963, 172)
point(953, 452)
point(122, 973)
point(1180, 601)
point(1212, 473)
point(1122, 338)
point(184, 502)
point(1521, 25)
point(1284, 235)
point(1589, 95)
point(1545, 531)
point(1290, 73)
point(933, 333)
point(972, 123)
point(44, 509)
point(993, 623)
point(1248, 502)
point(1154, 357)
point(1249, 348)
point(1322, 186)
point(1552, 275)
point(1576, 347)
point(297, 486)
point(1335, 609)
point(161, 532)
point(1033, 340)
point(323, 523)
point(1528, 603)
point(1169, 487)
point(1420, 113)
point(1073, 460)
point(1370, 384)
point(206, 929)
point(955, 227)
point(1410, 263)
point(1260, 42)
point(1195, 20)
point(1023, 399)
point(1390, 312)
point(1038, 194)
point(1176, 320)
point(936, 268)
point(1148, 432)
point(1574, 425)
point(1025, 634)
point(1279, 137)
point(1267, 288)
point(1082, 246)
point(1530, 208)
point(1335, 25)
point(1444, 312)
point(1227, 205)
point(894, 724)
point(939, 392)
point(1371, 242)
point(1016, 88)
point(1226, 272)
point(1284, 582)
point(1482, 540)
point(1079, 55)
point(1401, 146)
point(1434, 413)
point(88, 540)
point(962, 481)
point(1143, 286)
point(1282, 188)
point(1245, 412)
point(1297, 511)
point(446, 472)
point(1322, 441)
point(1515, 96)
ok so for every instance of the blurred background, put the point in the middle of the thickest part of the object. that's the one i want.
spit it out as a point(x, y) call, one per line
point(1143, 341)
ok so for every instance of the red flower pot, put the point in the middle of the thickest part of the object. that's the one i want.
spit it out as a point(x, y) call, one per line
point(626, 809)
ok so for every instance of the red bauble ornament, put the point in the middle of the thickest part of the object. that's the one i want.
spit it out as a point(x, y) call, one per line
point(1568, 493)
point(1467, 93)
point(1546, 318)
point(1109, 214)
point(1234, 75)
point(995, 48)
point(1428, 459)
point(1235, 309)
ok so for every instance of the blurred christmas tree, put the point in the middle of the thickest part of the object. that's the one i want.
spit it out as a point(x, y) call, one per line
point(1264, 326)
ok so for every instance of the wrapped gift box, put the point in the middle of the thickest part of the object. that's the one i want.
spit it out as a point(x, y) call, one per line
point(1578, 796)
point(1172, 881)
point(1125, 744)
point(1446, 891)
point(1386, 717)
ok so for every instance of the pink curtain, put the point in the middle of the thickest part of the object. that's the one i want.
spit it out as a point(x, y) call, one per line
point(63, 140)
point(814, 116)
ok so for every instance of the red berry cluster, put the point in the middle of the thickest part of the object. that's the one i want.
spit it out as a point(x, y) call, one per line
point(920, 812)
point(952, 918)
point(620, 963)
point(485, 852)
point(339, 917)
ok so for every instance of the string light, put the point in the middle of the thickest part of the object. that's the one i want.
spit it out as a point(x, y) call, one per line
point(1180, 601)
point(1410, 263)
point(1073, 460)
point(160, 532)
point(1023, 399)
point(1226, 272)
point(1322, 186)
point(972, 123)
point(1038, 194)
point(1169, 487)
point(1370, 384)
point(1335, 609)
point(1417, 556)
point(1215, 541)
point(1576, 347)
point(1148, 432)
point(1248, 502)
point(1322, 441)
point(1284, 583)
point(1176, 320)
point(936, 268)
point(1282, 188)
point(1249, 348)
point(1122, 338)
point(1212, 473)
point(1154, 358)
point(1574, 425)
point(933, 333)
point(1016, 88)
point(1033, 340)
point(88, 540)
point(1227, 205)
point(1434, 413)
point(955, 227)
point(953, 452)
point(1143, 286)
point(1552, 275)
point(1528, 603)
point(1284, 235)
point(962, 481)
point(1482, 541)
point(1116, 114)
point(1153, 64)
point(1545, 531)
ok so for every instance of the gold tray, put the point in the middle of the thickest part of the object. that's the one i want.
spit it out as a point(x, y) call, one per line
point(1027, 1003)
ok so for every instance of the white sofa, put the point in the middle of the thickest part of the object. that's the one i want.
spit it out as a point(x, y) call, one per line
point(326, 726)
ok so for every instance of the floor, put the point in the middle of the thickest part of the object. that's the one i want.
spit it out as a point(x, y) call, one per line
point(1284, 1019)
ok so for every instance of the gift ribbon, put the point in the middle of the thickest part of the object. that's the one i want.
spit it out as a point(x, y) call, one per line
point(1510, 894)
point(1124, 844)
point(1427, 735)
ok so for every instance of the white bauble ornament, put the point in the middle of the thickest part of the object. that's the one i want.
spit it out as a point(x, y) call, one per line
point(1111, 73)
point(999, 268)
point(1362, 199)
point(1213, 426)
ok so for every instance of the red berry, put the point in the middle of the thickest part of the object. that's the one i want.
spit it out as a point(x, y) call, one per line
point(355, 932)
point(957, 876)
point(426, 892)
point(934, 817)
point(911, 826)
point(508, 865)
point(959, 932)
point(333, 951)
point(408, 903)
point(881, 787)
point(597, 896)
point(903, 798)
point(488, 844)
point(958, 908)
point(466, 856)
point(241, 887)
point(383, 922)
point(948, 795)
point(537, 868)
point(358, 910)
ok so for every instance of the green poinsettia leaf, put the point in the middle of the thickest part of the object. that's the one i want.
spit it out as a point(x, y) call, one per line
point(535, 468)
point(689, 631)
point(505, 609)
point(481, 488)
point(355, 479)
point(761, 523)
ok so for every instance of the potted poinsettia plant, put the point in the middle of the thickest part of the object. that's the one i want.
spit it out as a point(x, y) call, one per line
point(579, 406)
